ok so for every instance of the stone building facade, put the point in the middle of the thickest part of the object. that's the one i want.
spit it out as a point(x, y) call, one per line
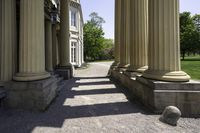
point(76, 33)
point(40, 43)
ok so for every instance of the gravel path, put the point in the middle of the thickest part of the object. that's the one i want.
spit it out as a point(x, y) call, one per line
point(91, 103)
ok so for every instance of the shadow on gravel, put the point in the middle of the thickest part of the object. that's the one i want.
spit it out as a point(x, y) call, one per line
point(26, 122)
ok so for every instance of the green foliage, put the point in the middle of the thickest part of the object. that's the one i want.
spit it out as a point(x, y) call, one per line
point(189, 33)
point(96, 47)
point(196, 37)
point(186, 32)
point(108, 49)
point(96, 20)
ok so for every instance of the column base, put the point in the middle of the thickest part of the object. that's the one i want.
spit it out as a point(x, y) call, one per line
point(132, 74)
point(137, 69)
point(67, 72)
point(176, 76)
point(34, 96)
point(31, 76)
point(115, 64)
point(123, 67)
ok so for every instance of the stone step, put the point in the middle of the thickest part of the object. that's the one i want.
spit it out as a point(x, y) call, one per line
point(60, 82)
point(56, 75)
point(2, 93)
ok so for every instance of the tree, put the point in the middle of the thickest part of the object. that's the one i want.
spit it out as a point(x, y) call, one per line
point(187, 32)
point(93, 37)
point(196, 21)
point(196, 37)
point(108, 49)
point(96, 20)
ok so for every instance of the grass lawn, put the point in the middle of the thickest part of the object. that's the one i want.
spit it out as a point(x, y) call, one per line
point(191, 65)
point(103, 60)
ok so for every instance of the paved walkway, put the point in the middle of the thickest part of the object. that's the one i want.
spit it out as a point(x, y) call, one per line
point(91, 103)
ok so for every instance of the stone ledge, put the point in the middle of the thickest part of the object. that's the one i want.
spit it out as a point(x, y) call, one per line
point(157, 95)
point(65, 72)
point(2, 92)
point(1, 84)
point(35, 96)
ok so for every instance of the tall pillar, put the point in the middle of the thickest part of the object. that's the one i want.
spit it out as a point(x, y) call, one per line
point(58, 48)
point(32, 45)
point(48, 46)
point(164, 43)
point(64, 34)
point(54, 44)
point(7, 39)
point(139, 35)
point(117, 31)
point(65, 68)
point(82, 52)
point(123, 46)
point(127, 30)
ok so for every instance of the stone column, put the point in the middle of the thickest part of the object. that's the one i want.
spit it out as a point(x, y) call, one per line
point(64, 34)
point(32, 45)
point(48, 46)
point(123, 46)
point(82, 53)
point(164, 43)
point(7, 39)
point(127, 31)
point(117, 32)
point(139, 35)
point(54, 44)
point(58, 48)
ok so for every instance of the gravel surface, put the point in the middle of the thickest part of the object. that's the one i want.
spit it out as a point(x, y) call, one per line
point(91, 103)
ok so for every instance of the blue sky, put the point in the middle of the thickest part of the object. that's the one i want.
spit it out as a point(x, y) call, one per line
point(105, 9)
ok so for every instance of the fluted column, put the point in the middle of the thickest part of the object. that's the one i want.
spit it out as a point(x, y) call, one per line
point(127, 30)
point(32, 45)
point(139, 35)
point(117, 31)
point(7, 39)
point(58, 48)
point(54, 44)
point(164, 43)
point(48, 46)
point(123, 46)
point(64, 34)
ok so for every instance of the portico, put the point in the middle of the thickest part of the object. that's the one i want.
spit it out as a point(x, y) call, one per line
point(147, 38)
point(30, 46)
point(35, 44)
